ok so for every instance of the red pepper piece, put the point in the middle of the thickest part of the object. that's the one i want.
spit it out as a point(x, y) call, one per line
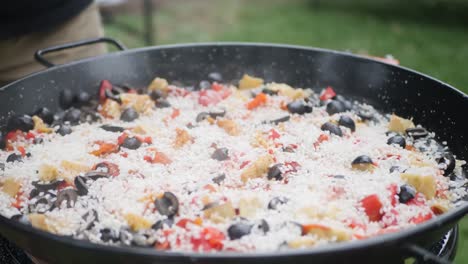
point(372, 207)
point(105, 85)
point(327, 94)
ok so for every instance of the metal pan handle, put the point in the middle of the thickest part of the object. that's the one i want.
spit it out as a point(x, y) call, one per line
point(39, 55)
point(424, 254)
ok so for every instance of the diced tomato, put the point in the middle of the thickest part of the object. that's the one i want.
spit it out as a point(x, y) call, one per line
point(158, 157)
point(30, 135)
point(291, 166)
point(260, 99)
point(184, 221)
point(13, 135)
point(105, 85)
point(320, 139)
point(18, 203)
point(372, 207)
point(217, 87)
point(212, 97)
point(22, 151)
point(420, 218)
point(165, 245)
point(393, 188)
point(105, 148)
point(209, 239)
point(436, 210)
point(327, 94)
point(390, 218)
point(175, 113)
point(273, 134)
point(308, 228)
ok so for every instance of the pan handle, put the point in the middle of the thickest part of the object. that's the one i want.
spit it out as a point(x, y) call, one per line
point(39, 55)
point(424, 254)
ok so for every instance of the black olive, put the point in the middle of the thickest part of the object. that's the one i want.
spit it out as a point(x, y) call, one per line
point(334, 107)
point(162, 103)
point(263, 226)
point(89, 114)
point(21, 218)
point(80, 184)
point(94, 175)
point(156, 95)
point(38, 140)
point(238, 230)
point(288, 149)
point(362, 162)
point(168, 204)
point(299, 107)
point(396, 168)
point(66, 98)
point(2, 141)
point(203, 85)
point(269, 92)
point(406, 193)
point(347, 104)
point(69, 195)
point(446, 163)
point(20, 122)
point(332, 128)
point(202, 116)
point(43, 187)
point(108, 235)
point(64, 129)
point(160, 224)
point(13, 157)
point(416, 132)
point(90, 218)
point(215, 76)
point(82, 98)
point(110, 95)
point(339, 177)
point(129, 114)
point(217, 113)
point(45, 114)
point(219, 179)
point(397, 140)
point(276, 202)
point(348, 122)
point(220, 154)
point(131, 143)
point(2, 166)
point(42, 205)
point(34, 192)
point(274, 172)
point(73, 116)
point(113, 128)
point(280, 120)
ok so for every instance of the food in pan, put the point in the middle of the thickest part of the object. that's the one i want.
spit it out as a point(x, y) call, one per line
point(215, 167)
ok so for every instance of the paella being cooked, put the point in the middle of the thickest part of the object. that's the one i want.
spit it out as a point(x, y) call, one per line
point(219, 167)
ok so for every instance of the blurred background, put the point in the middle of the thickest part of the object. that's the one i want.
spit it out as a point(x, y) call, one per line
point(430, 36)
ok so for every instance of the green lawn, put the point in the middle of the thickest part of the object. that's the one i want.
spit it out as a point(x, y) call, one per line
point(423, 35)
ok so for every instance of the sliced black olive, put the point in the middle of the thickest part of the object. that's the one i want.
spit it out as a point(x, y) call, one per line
point(332, 128)
point(42, 205)
point(13, 157)
point(43, 187)
point(238, 230)
point(89, 114)
point(129, 114)
point(94, 175)
point(407, 193)
point(348, 122)
point(446, 163)
point(274, 172)
point(219, 179)
point(269, 92)
point(339, 177)
point(276, 202)
point(203, 85)
point(156, 95)
point(168, 204)
point(131, 143)
point(64, 129)
point(280, 120)
point(220, 154)
point(108, 235)
point(110, 95)
point(162, 103)
point(217, 113)
point(73, 116)
point(21, 218)
point(299, 107)
point(397, 140)
point(66, 98)
point(160, 224)
point(334, 107)
point(263, 226)
point(38, 141)
point(82, 98)
point(396, 168)
point(68, 195)
point(45, 114)
point(202, 116)
point(215, 76)
point(80, 184)
point(34, 192)
point(416, 132)
point(20, 122)
point(362, 162)
point(288, 149)
point(113, 128)
point(90, 219)
point(2, 141)
point(347, 104)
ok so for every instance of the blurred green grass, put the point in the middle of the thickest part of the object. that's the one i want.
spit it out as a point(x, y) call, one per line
point(429, 38)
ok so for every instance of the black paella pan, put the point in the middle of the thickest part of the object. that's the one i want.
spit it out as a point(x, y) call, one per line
point(436, 105)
